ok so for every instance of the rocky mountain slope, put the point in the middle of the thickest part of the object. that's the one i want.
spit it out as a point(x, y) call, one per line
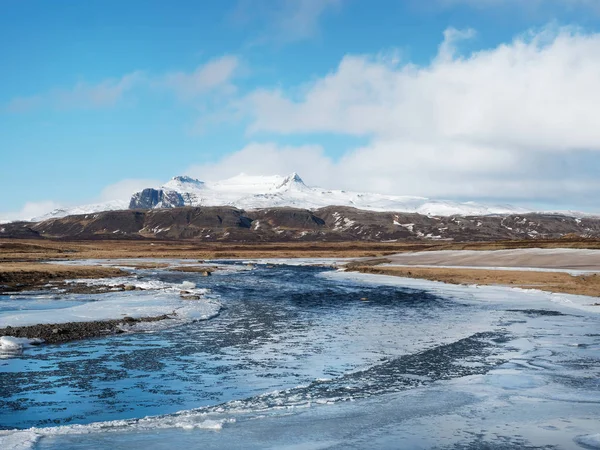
point(331, 223)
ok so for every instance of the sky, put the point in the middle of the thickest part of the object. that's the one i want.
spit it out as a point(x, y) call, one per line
point(472, 100)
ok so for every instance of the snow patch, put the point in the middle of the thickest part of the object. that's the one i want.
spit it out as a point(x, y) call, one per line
point(18, 440)
point(15, 345)
point(591, 441)
point(188, 285)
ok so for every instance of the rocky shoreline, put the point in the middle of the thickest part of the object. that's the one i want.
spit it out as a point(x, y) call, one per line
point(59, 333)
point(32, 276)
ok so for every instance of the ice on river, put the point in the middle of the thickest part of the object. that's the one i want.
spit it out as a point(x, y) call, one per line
point(13, 345)
point(156, 299)
point(311, 358)
point(518, 297)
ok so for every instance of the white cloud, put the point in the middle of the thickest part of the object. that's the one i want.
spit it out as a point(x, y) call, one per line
point(112, 195)
point(268, 159)
point(284, 21)
point(447, 51)
point(29, 210)
point(299, 19)
point(486, 124)
point(215, 74)
point(104, 94)
point(527, 5)
point(530, 93)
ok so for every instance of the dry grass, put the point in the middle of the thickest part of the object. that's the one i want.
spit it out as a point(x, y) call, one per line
point(545, 281)
point(17, 250)
point(35, 250)
point(31, 274)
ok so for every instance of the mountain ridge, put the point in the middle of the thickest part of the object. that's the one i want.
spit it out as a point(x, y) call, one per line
point(251, 192)
point(285, 224)
point(255, 192)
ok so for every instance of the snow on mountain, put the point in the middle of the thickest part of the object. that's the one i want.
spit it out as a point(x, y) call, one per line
point(183, 184)
point(254, 192)
point(113, 205)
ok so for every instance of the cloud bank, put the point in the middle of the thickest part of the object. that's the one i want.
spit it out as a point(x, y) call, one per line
point(513, 122)
point(29, 210)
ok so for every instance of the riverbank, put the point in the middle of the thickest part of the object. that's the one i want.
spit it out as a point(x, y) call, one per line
point(563, 259)
point(20, 250)
point(27, 276)
point(559, 282)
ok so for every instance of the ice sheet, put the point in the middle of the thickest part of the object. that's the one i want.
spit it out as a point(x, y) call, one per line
point(158, 298)
point(542, 393)
point(516, 296)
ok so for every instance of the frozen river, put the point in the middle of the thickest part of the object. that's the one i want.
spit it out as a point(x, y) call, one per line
point(305, 357)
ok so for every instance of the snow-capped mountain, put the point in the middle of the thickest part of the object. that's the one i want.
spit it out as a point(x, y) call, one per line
point(254, 192)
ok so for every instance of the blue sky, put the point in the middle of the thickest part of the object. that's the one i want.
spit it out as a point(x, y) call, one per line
point(489, 100)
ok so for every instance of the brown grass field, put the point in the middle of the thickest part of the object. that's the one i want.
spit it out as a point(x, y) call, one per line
point(546, 281)
point(36, 250)
point(28, 275)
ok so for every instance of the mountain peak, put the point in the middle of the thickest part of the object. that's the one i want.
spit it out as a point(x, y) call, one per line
point(290, 180)
point(183, 183)
point(186, 179)
point(294, 177)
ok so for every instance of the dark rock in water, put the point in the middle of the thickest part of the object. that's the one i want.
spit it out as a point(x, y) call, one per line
point(190, 297)
point(128, 319)
point(150, 198)
point(538, 312)
point(129, 288)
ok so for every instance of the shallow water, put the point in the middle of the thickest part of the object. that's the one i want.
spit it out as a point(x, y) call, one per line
point(301, 357)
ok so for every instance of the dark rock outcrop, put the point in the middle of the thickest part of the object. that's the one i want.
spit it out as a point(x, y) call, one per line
point(18, 230)
point(151, 198)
